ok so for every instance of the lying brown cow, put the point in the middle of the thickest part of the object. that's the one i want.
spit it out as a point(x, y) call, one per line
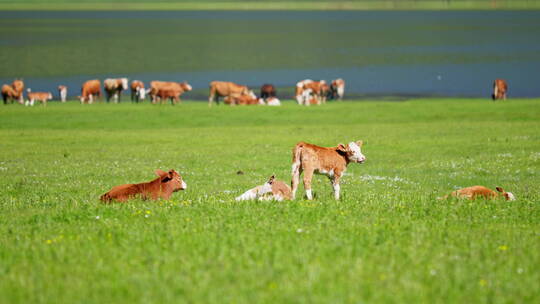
point(89, 90)
point(244, 100)
point(272, 190)
point(161, 90)
point(38, 96)
point(161, 187)
point(223, 89)
point(475, 192)
point(138, 93)
point(331, 162)
point(114, 87)
point(13, 92)
point(500, 87)
point(62, 92)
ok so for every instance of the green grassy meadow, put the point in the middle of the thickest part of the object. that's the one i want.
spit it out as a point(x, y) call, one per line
point(388, 240)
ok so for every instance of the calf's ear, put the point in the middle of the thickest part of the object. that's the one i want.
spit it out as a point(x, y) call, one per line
point(342, 148)
point(271, 180)
point(160, 173)
point(499, 189)
point(359, 143)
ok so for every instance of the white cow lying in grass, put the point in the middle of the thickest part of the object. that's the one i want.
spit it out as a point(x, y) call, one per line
point(272, 190)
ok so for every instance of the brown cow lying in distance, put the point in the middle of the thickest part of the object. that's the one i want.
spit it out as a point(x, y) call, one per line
point(161, 187)
point(331, 162)
point(480, 192)
point(244, 100)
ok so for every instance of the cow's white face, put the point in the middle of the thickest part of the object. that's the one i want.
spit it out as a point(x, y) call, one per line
point(510, 196)
point(188, 87)
point(124, 83)
point(355, 153)
point(252, 95)
point(49, 96)
point(141, 92)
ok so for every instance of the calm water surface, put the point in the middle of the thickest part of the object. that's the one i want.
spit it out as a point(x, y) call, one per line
point(382, 53)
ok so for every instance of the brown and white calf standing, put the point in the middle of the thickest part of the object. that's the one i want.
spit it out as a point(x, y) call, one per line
point(161, 187)
point(331, 162)
point(37, 96)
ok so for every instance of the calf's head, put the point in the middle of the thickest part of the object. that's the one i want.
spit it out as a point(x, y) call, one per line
point(172, 179)
point(353, 151)
point(507, 195)
point(267, 187)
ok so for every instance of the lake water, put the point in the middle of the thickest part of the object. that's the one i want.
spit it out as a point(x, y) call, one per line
point(378, 53)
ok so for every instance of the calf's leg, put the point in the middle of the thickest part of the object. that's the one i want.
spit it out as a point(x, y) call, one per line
point(335, 185)
point(295, 180)
point(308, 175)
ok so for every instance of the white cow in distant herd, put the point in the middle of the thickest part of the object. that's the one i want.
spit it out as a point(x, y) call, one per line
point(62, 92)
point(114, 87)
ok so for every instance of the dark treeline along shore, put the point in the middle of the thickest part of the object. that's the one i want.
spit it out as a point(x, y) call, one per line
point(447, 53)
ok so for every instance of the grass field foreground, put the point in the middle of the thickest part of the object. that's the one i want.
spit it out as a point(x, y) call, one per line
point(388, 240)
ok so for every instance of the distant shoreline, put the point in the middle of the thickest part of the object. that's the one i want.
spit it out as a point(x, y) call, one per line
point(66, 5)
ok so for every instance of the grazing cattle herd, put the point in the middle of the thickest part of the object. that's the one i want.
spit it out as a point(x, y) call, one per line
point(307, 158)
point(307, 92)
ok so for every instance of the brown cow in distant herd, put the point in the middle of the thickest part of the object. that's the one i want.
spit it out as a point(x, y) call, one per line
point(316, 89)
point(37, 96)
point(114, 87)
point(13, 92)
point(224, 89)
point(267, 91)
point(163, 90)
point(90, 90)
point(161, 187)
point(337, 89)
point(308, 92)
point(138, 93)
point(500, 87)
